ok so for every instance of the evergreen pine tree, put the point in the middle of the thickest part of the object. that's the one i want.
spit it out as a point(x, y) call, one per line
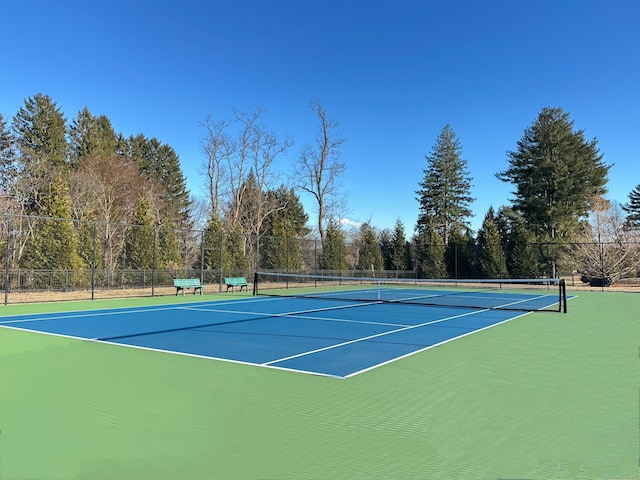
point(491, 261)
point(430, 249)
point(40, 131)
point(460, 254)
point(400, 257)
point(54, 244)
point(444, 191)
point(90, 247)
point(168, 255)
point(522, 256)
point(40, 128)
point(8, 165)
point(632, 208)
point(235, 246)
point(283, 230)
point(556, 173)
point(140, 238)
point(369, 254)
point(90, 135)
point(384, 239)
point(334, 252)
point(213, 242)
point(160, 163)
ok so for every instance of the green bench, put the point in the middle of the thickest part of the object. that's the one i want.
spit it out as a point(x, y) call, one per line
point(182, 284)
point(233, 282)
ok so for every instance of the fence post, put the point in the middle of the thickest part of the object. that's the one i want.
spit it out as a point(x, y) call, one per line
point(602, 276)
point(455, 261)
point(221, 274)
point(93, 263)
point(202, 257)
point(153, 264)
point(7, 273)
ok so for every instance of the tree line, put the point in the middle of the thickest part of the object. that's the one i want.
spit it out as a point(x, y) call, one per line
point(86, 172)
point(559, 220)
point(559, 216)
point(130, 206)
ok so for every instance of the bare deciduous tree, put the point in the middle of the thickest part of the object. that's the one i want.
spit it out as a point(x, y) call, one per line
point(606, 248)
point(319, 167)
point(241, 169)
point(217, 147)
point(106, 187)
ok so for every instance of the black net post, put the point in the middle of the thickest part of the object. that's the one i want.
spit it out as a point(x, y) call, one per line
point(255, 283)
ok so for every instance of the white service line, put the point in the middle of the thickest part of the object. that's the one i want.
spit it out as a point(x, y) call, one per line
point(302, 314)
point(377, 335)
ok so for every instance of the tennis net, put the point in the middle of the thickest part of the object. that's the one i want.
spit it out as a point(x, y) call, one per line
point(541, 294)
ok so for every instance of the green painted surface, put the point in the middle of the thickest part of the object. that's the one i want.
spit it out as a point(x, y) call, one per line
point(543, 396)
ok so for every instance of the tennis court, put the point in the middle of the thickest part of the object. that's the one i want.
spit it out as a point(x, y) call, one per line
point(334, 332)
point(540, 396)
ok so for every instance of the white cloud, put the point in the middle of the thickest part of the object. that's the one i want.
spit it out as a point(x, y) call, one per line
point(346, 222)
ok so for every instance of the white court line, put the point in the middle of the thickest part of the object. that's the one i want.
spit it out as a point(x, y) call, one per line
point(173, 352)
point(220, 359)
point(302, 314)
point(151, 308)
point(410, 327)
point(85, 313)
point(53, 334)
point(116, 311)
point(505, 296)
point(377, 335)
point(346, 320)
point(395, 359)
point(422, 297)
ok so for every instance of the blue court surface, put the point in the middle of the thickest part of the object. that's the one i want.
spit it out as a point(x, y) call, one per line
point(322, 337)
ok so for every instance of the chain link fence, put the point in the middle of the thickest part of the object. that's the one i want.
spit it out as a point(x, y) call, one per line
point(56, 259)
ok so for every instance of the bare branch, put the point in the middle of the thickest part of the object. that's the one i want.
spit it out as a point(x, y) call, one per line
point(318, 169)
point(217, 147)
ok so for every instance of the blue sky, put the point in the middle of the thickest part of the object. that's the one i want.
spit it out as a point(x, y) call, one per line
point(392, 74)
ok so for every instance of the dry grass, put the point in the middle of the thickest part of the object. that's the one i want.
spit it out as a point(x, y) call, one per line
point(72, 295)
